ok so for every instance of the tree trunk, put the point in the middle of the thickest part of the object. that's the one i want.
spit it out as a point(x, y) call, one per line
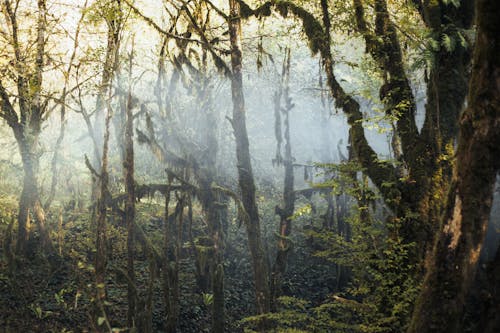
point(214, 207)
point(245, 175)
point(29, 202)
point(25, 120)
point(101, 233)
point(285, 213)
point(453, 264)
point(490, 320)
point(128, 170)
point(171, 248)
point(97, 129)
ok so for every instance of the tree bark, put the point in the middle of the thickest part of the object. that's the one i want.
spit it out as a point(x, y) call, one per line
point(114, 22)
point(452, 267)
point(245, 174)
point(128, 170)
point(27, 125)
point(172, 243)
point(285, 213)
point(101, 227)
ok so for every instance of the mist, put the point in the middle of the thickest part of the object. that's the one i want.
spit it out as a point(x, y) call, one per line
point(233, 166)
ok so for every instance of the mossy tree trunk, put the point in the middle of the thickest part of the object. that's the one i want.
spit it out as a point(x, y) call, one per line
point(172, 246)
point(286, 212)
point(128, 171)
point(112, 11)
point(101, 229)
point(453, 264)
point(214, 206)
point(412, 195)
point(245, 174)
point(25, 119)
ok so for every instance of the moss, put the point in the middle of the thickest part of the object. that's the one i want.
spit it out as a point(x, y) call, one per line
point(264, 10)
point(312, 27)
point(245, 10)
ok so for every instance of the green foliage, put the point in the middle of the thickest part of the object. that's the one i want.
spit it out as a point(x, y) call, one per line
point(382, 273)
point(383, 284)
point(292, 317)
point(208, 299)
point(39, 312)
point(304, 210)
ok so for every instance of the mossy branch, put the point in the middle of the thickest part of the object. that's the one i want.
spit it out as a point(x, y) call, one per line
point(311, 26)
point(242, 213)
point(319, 42)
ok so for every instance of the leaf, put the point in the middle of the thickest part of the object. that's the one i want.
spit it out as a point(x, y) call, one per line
point(100, 321)
point(208, 299)
point(447, 43)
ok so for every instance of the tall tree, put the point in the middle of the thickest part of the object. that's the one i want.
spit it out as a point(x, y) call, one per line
point(412, 188)
point(453, 264)
point(128, 173)
point(113, 14)
point(62, 131)
point(409, 196)
point(285, 212)
point(26, 112)
point(245, 174)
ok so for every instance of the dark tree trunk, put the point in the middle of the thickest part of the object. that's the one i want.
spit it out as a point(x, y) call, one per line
point(215, 209)
point(245, 174)
point(128, 170)
point(97, 128)
point(285, 213)
point(490, 320)
point(101, 233)
point(171, 250)
point(452, 267)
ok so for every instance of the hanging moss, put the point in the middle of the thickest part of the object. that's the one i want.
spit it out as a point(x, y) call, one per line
point(204, 251)
point(311, 26)
point(220, 64)
point(245, 10)
point(264, 10)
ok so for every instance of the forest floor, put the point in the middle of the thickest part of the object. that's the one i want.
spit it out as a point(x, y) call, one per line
point(53, 294)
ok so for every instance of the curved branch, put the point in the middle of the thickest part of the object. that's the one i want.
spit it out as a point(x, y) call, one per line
point(380, 172)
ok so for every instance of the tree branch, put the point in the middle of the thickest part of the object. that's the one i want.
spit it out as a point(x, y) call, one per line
point(9, 114)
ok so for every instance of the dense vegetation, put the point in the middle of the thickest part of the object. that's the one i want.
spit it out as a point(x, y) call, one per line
point(249, 166)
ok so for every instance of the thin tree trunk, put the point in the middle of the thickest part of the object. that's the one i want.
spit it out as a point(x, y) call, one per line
point(171, 248)
point(218, 306)
point(245, 175)
point(166, 262)
point(109, 67)
point(101, 233)
point(453, 264)
point(57, 147)
point(128, 169)
point(286, 212)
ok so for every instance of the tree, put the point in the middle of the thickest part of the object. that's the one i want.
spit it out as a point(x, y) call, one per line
point(245, 175)
point(286, 213)
point(128, 173)
point(452, 267)
point(25, 112)
point(413, 185)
